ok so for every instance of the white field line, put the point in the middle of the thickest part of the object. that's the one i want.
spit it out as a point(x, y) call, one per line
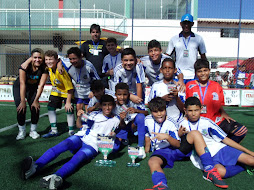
point(28, 120)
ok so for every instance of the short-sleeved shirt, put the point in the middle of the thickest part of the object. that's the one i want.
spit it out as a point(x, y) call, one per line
point(193, 44)
point(160, 89)
point(99, 125)
point(81, 78)
point(212, 133)
point(94, 100)
point(169, 126)
point(32, 77)
point(61, 83)
point(213, 100)
point(89, 48)
point(136, 75)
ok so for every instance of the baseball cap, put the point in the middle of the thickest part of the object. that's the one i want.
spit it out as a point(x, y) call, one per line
point(187, 17)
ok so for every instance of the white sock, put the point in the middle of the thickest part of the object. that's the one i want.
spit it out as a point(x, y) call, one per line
point(33, 127)
point(52, 116)
point(70, 119)
point(22, 127)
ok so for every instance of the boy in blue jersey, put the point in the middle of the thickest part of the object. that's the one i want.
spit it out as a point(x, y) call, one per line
point(228, 156)
point(131, 115)
point(84, 147)
point(169, 145)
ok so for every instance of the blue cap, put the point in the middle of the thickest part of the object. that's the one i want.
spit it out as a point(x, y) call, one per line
point(187, 17)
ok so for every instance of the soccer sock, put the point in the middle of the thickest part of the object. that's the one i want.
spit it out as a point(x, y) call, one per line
point(233, 170)
point(53, 127)
point(70, 121)
point(158, 177)
point(22, 127)
point(52, 116)
point(117, 145)
point(33, 127)
point(207, 161)
point(140, 123)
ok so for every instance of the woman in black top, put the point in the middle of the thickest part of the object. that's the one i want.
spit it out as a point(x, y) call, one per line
point(29, 86)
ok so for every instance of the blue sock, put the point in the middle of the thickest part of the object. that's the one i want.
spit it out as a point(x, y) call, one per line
point(233, 170)
point(117, 145)
point(207, 161)
point(140, 123)
point(158, 177)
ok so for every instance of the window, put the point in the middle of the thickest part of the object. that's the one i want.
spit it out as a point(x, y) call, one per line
point(229, 33)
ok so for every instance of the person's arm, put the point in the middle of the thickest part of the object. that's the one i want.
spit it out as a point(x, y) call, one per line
point(43, 80)
point(225, 115)
point(93, 108)
point(122, 116)
point(78, 122)
point(147, 144)
point(68, 106)
point(136, 99)
point(235, 145)
point(203, 56)
point(132, 110)
point(22, 81)
point(26, 63)
point(181, 82)
point(163, 136)
point(139, 90)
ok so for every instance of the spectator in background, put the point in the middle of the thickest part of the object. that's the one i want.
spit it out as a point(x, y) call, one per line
point(218, 77)
point(224, 82)
point(240, 76)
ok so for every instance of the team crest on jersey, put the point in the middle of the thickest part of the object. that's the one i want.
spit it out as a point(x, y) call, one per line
point(191, 86)
point(195, 94)
point(215, 96)
point(204, 132)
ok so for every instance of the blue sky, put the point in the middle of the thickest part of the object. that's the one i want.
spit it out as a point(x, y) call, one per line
point(226, 9)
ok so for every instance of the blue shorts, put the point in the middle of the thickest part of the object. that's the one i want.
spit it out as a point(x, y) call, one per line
point(82, 101)
point(227, 156)
point(169, 156)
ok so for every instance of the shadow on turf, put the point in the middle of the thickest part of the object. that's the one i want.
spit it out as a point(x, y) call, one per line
point(62, 128)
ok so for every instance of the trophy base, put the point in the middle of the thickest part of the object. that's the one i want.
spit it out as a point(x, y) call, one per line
point(133, 164)
point(107, 163)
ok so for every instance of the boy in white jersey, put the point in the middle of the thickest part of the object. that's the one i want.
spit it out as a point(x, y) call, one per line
point(152, 64)
point(84, 147)
point(131, 115)
point(98, 90)
point(167, 90)
point(228, 156)
point(131, 73)
point(110, 61)
point(162, 135)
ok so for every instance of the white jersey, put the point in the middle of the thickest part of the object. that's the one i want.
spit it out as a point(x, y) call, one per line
point(168, 126)
point(81, 77)
point(101, 125)
point(110, 62)
point(186, 50)
point(94, 100)
point(160, 89)
point(136, 75)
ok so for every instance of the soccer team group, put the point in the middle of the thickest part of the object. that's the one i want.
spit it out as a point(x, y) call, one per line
point(186, 118)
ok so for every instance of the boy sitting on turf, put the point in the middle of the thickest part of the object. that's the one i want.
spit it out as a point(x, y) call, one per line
point(110, 61)
point(167, 90)
point(228, 156)
point(85, 148)
point(98, 90)
point(131, 73)
point(161, 132)
point(62, 89)
point(130, 114)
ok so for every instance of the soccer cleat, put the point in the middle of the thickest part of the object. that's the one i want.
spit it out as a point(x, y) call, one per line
point(28, 168)
point(160, 186)
point(71, 133)
point(214, 176)
point(50, 134)
point(34, 135)
point(141, 153)
point(51, 181)
point(21, 135)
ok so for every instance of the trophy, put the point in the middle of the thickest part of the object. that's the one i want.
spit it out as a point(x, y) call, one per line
point(129, 117)
point(171, 86)
point(105, 146)
point(133, 154)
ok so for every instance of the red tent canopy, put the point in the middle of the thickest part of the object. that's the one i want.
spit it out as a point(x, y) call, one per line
point(231, 64)
point(249, 63)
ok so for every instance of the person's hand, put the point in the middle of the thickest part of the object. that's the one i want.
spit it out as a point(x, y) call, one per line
point(36, 105)
point(123, 115)
point(26, 63)
point(174, 92)
point(80, 112)
point(111, 72)
point(68, 107)
point(22, 106)
point(168, 97)
point(182, 87)
point(97, 105)
point(131, 110)
point(135, 99)
point(160, 136)
point(182, 131)
point(90, 95)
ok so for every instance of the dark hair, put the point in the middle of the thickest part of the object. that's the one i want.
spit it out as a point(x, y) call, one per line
point(95, 27)
point(129, 51)
point(154, 44)
point(107, 98)
point(192, 101)
point(74, 50)
point(122, 86)
point(157, 104)
point(168, 60)
point(201, 63)
point(110, 40)
point(96, 85)
point(51, 53)
point(38, 50)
